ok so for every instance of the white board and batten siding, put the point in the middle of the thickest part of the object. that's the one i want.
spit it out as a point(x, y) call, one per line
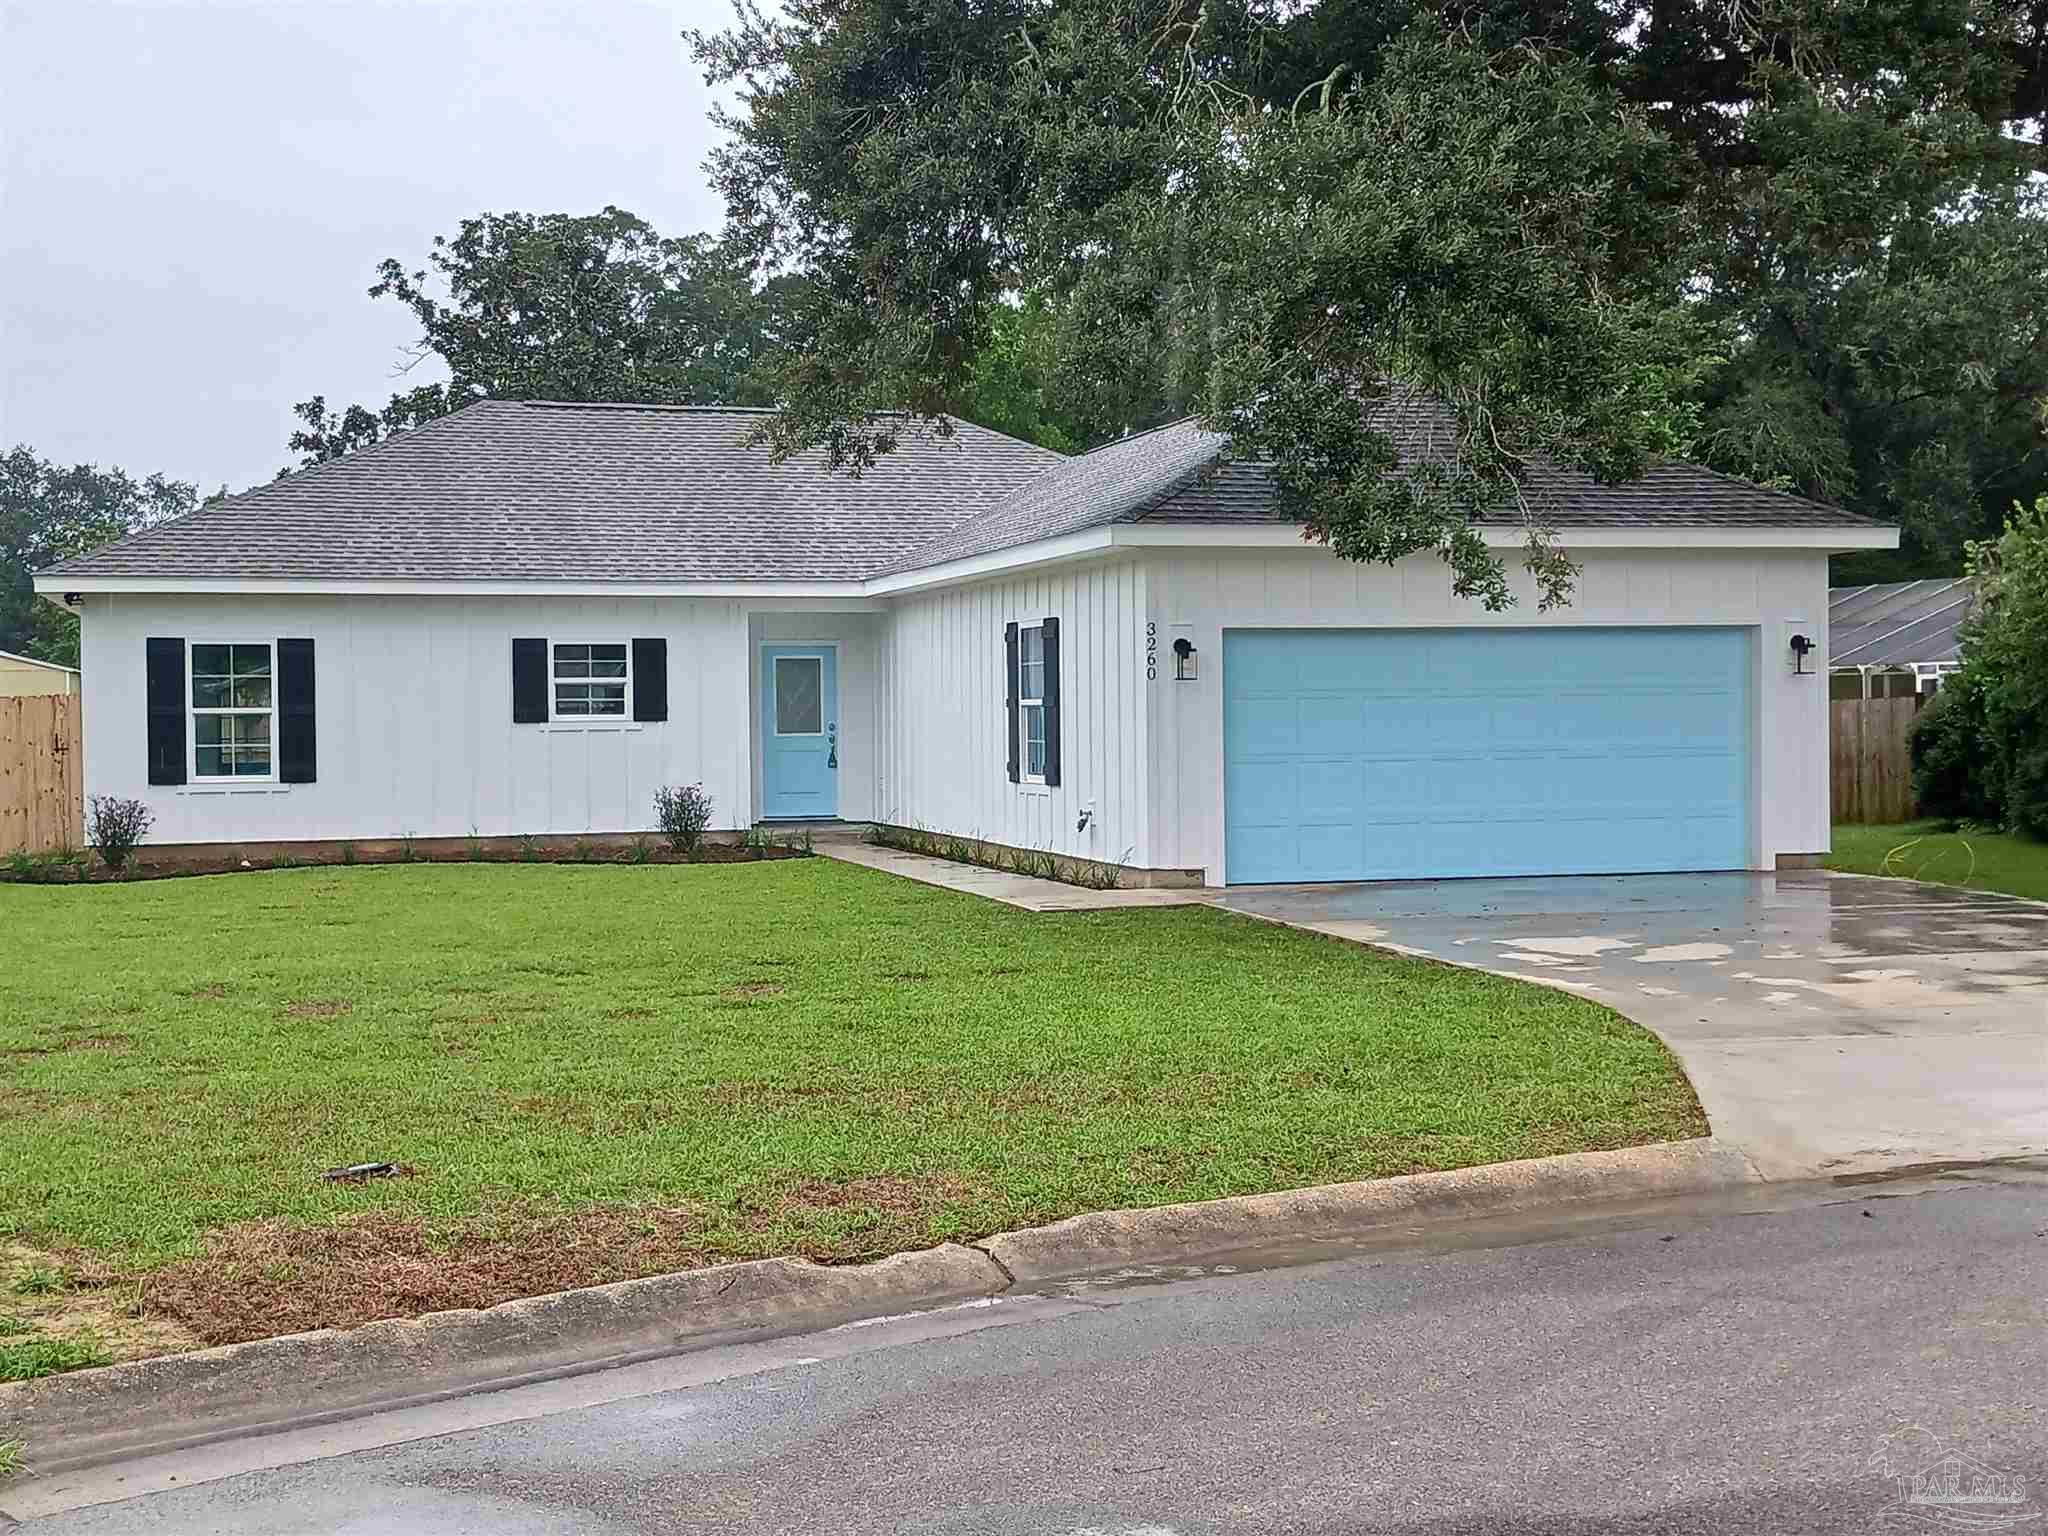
point(414, 717)
point(945, 747)
point(1200, 595)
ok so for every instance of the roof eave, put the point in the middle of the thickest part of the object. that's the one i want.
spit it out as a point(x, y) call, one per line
point(1070, 546)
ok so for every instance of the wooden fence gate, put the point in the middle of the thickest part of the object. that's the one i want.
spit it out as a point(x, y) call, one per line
point(40, 800)
point(1870, 771)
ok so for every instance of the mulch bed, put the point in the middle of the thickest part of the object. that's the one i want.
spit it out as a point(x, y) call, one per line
point(83, 869)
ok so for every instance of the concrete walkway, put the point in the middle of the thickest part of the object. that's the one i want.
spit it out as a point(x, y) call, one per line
point(1025, 891)
point(1831, 1023)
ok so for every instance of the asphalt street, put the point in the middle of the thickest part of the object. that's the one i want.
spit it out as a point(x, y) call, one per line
point(1787, 1369)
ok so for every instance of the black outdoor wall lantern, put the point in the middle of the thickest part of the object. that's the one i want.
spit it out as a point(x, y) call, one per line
point(1183, 660)
point(1801, 644)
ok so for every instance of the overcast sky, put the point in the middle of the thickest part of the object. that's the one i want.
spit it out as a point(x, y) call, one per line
point(194, 194)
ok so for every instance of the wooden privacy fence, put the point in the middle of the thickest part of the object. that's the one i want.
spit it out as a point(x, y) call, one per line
point(1869, 769)
point(40, 804)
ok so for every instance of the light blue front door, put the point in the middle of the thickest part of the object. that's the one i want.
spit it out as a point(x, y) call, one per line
point(1415, 754)
point(799, 730)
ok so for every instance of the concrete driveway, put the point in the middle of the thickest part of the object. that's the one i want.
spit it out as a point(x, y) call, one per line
point(1831, 1023)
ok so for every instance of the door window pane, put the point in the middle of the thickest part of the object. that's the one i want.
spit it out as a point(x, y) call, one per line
point(799, 696)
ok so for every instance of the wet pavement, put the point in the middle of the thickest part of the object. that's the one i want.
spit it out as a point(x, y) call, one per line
point(1818, 1360)
point(1831, 1023)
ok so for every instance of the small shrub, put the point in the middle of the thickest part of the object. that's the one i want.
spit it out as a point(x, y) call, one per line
point(683, 811)
point(640, 850)
point(117, 827)
point(348, 852)
point(476, 845)
point(529, 848)
point(408, 848)
point(1949, 782)
point(23, 865)
point(11, 1464)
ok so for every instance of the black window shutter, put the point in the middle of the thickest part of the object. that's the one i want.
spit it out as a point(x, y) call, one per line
point(650, 679)
point(529, 682)
point(164, 665)
point(1010, 692)
point(295, 754)
point(1051, 635)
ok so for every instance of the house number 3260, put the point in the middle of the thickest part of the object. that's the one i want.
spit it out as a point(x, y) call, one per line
point(1151, 651)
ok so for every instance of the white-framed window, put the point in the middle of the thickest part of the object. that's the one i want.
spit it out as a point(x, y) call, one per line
point(1031, 703)
point(233, 711)
point(590, 680)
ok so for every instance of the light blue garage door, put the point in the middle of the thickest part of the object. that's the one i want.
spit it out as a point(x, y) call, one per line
point(1356, 754)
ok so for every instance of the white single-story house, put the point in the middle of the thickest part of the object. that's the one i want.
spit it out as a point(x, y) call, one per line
point(526, 616)
point(26, 676)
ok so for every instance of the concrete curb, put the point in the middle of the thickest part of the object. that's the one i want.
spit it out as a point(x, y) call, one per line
point(1106, 1239)
point(152, 1406)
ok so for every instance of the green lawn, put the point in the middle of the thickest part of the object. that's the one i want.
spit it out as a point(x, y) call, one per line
point(1921, 850)
point(596, 1072)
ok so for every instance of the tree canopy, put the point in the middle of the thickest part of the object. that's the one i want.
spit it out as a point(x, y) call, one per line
point(566, 307)
point(49, 512)
point(1800, 240)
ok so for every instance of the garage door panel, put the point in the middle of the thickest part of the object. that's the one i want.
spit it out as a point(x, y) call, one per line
point(1270, 720)
point(1388, 754)
point(1331, 723)
point(1329, 791)
point(1265, 794)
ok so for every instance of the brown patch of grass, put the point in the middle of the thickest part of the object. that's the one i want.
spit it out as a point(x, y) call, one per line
point(25, 1101)
point(73, 1043)
point(315, 1008)
point(757, 1096)
point(630, 1013)
point(844, 1219)
point(594, 1117)
point(752, 989)
point(212, 992)
point(93, 1300)
point(262, 1278)
point(906, 975)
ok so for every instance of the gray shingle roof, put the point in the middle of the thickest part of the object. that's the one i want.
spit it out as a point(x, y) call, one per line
point(541, 491)
point(1669, 495)
point(1171, 475)
point(1115, 483)
point(529, 490)
point(1897, 623)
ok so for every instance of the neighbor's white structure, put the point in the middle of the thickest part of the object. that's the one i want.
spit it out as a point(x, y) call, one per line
point(526, 617)
point(27, 677)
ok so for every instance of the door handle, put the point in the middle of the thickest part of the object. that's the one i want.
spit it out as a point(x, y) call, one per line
point(832, 744)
